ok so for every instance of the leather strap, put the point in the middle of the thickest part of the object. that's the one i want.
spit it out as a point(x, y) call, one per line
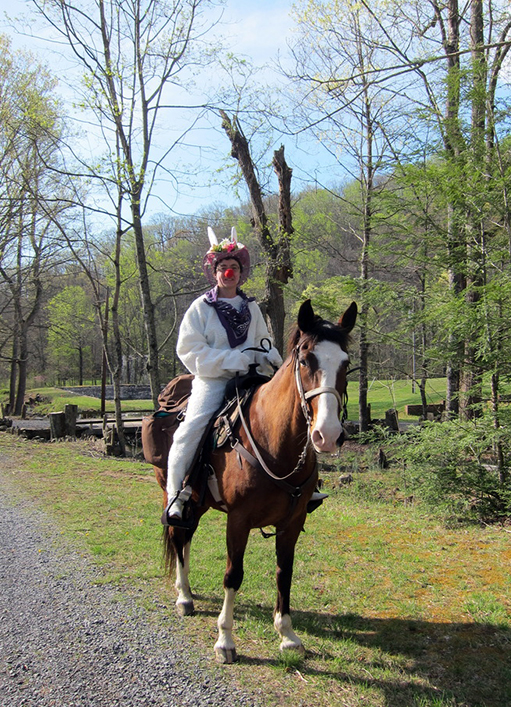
point(323, 389)
point(294, 491)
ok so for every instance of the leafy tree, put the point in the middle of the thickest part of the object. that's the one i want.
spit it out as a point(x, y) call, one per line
point(30, 188)
point(345, 110)
point(133, 53)
point(72, 329)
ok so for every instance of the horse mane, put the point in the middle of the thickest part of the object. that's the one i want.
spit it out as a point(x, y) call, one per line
point(321, 330)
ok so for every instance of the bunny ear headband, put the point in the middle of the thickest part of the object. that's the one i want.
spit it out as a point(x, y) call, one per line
point(228, 248)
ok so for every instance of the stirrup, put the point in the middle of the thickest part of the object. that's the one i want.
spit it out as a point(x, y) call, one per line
point(177, 520)
point(318, 496)
point(316, 500)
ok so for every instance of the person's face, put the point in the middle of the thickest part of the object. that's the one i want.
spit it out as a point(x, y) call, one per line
point(228, 273)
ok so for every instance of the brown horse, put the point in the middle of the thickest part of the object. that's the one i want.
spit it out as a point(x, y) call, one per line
point(268, 479)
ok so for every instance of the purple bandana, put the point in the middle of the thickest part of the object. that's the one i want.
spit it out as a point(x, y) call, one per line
point(235, 323)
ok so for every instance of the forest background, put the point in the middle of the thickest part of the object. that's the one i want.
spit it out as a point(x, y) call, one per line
point(396, 117)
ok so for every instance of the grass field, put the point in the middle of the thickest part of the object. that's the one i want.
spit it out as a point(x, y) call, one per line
point(55, 399)
point(396, 394)
point(394, 608)
point(382, 395)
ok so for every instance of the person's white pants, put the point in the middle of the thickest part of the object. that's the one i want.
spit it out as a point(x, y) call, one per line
point(205, 399)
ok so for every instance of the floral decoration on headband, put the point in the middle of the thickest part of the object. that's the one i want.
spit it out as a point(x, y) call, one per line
point(225, 246)
point(228, 247)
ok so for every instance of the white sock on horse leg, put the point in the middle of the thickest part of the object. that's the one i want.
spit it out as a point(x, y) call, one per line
point(283, 626)
point(184, 601)
point(225, 622)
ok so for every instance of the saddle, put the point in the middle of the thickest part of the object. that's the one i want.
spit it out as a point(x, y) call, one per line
point(158, 429)
point(238, 392)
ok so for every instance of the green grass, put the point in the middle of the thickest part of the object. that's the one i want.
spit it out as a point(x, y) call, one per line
point(394, 609)
point(382, 396)
point(55, 399)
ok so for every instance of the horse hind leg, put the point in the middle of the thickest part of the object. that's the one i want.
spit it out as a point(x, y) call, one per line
point(177, 559)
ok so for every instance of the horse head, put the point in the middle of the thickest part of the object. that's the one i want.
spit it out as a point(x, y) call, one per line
point(321, 359)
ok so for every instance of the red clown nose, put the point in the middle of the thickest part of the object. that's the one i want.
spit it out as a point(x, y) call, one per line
point(229, 273)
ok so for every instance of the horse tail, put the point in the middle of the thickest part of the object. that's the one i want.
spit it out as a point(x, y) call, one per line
point(169, 550)
point(174, 541)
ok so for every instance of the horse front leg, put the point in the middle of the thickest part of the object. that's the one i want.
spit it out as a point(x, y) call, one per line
point(285, 549)
point(237, 538)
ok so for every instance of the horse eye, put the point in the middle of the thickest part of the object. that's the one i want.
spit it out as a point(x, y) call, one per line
point(303, 362)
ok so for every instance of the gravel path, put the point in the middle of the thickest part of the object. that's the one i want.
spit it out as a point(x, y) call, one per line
point(66, 641)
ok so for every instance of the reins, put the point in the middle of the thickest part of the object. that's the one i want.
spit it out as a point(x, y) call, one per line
point(260, 461)
point(256, 459)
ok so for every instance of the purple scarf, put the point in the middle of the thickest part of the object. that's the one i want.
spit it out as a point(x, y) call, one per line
point(235, 323)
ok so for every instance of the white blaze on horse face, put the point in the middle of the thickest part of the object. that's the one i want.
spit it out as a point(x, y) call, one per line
point(328, 428)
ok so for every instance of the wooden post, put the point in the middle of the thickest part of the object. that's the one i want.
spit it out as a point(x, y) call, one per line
point(391, 420)
point(57, 425)
point(70, 414)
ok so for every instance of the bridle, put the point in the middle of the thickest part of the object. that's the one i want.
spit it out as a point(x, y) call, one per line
point(305, 396)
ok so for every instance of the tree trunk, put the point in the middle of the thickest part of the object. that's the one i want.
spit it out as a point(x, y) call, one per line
point(278, 270)
point(497, 445)
point(366, 188)
point(80, 365)
point(471, 383)
point(152, 366)
point(13, 372)
point(22, 370)
point(363, 383)
point(117, 364)
point(454, 145)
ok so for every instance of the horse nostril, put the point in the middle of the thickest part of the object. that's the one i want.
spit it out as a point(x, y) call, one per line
point(317, 438)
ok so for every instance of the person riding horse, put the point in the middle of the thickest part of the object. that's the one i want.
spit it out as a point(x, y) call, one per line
point(215, 333)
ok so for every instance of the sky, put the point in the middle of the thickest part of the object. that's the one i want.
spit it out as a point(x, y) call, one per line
point(257, 30)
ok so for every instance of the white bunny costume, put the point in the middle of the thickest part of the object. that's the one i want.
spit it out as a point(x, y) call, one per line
point(210, 350)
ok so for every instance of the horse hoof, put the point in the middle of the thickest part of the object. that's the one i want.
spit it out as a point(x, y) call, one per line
point(296, 647)
point(226, 656)
point(185, 608)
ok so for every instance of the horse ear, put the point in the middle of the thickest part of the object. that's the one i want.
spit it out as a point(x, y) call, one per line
point(306, 316)
point(348, 319)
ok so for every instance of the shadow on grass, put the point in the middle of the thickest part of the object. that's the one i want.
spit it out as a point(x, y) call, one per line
point(468, 663)
point(410, 663)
